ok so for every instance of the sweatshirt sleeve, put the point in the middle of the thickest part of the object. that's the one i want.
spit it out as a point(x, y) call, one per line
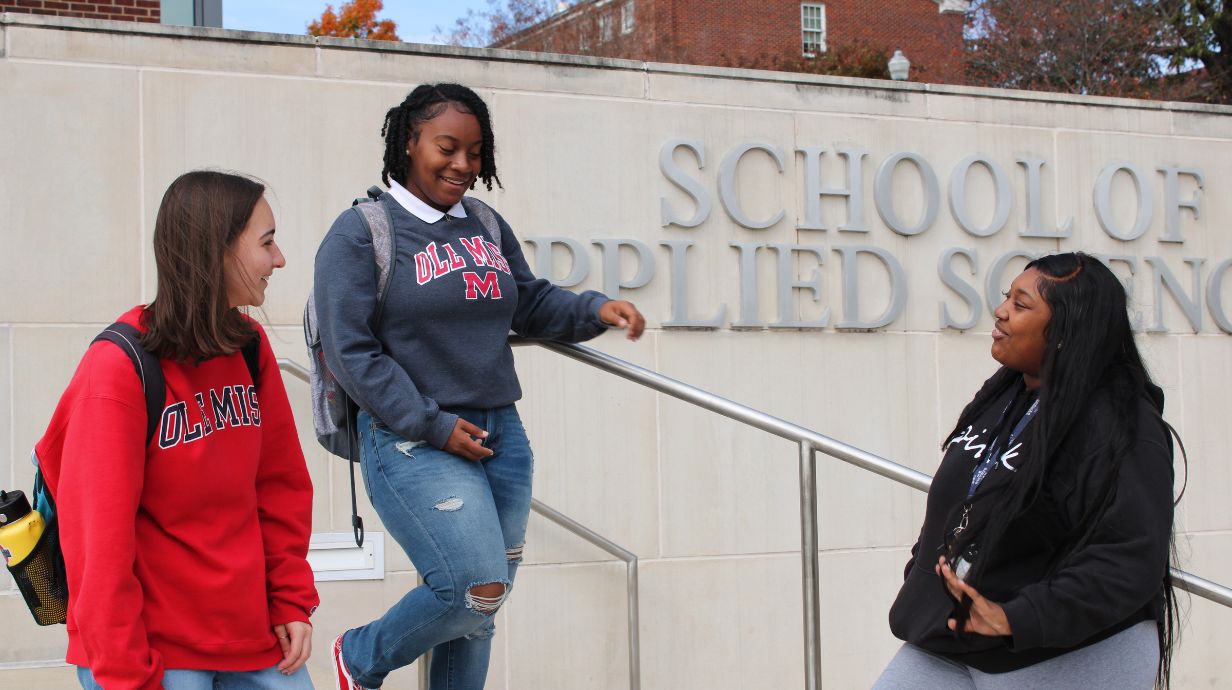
point(284, 501)
point(344, 287)
point(544, 310)
point(915, 552)
point(98, 496)
point(1117, 572)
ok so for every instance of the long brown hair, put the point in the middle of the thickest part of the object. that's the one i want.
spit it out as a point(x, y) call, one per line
point(201, 214)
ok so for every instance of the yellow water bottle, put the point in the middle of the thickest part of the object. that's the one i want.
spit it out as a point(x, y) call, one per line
point(20, 527)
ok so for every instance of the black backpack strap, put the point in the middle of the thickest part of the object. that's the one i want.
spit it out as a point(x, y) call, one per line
point(357, 523)
point(252, 357)
point(128, 339)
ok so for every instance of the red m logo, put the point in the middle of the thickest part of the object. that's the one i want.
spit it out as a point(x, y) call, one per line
point(488, 286)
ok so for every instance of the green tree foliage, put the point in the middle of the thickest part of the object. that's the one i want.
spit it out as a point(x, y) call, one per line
point(1198, 43)
point(1171, 49)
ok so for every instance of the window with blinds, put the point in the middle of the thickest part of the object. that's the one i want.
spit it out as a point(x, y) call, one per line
point(813, 28)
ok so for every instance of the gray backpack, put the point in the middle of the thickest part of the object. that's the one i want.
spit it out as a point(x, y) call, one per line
point(333, 411)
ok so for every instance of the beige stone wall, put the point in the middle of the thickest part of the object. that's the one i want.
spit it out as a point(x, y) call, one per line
point(96, 119)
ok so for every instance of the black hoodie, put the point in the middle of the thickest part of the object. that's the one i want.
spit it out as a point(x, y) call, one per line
point(1111, 582)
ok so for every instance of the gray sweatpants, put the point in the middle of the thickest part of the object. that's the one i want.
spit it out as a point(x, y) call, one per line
point(1125, 661)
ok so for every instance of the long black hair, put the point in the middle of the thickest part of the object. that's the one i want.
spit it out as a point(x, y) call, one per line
point(1090, 359)
point(422, 104)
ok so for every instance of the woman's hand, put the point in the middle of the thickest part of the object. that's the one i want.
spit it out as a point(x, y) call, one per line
point(986, 617)
point(618, 313)
point(295, 638)
point(463, 444)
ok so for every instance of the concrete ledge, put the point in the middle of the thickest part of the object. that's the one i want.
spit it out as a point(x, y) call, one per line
point(906, 89)
point(138, 28)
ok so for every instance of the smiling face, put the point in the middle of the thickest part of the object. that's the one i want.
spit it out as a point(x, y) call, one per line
point(444, 158)
point(252, 258)
point(1018, 340)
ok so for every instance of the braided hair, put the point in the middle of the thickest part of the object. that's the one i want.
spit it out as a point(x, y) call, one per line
point(402, 124)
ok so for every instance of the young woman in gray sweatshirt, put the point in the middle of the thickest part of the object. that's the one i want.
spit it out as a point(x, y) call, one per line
point(444, 457)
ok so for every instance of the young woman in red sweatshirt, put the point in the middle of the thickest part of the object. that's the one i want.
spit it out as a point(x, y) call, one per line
point(186, 556)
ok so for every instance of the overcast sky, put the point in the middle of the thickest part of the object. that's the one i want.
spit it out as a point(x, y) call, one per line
point(416, 19)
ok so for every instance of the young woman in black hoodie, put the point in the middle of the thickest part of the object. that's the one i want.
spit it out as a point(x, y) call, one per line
point(1044, 556)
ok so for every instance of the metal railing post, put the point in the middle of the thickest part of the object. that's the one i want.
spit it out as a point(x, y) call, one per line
point(425, 659)
point(809, 443)
point(635, 655)
point(809, 567)
point(630, 559)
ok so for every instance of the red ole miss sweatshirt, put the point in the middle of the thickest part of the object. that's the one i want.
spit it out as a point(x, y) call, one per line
point(183, 553)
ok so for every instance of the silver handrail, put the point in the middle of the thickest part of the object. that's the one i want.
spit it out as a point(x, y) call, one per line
point(1203, 587)
point(809, 443)
point(737, 411)
point(293, 368)
point(631, 574)
point(630, 559)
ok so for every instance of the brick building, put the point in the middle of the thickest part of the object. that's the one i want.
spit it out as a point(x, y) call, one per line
point(121, 10)
point(756, 33)
point(182, 12)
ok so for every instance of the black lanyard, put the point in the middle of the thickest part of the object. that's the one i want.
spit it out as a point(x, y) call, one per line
point(994, 447)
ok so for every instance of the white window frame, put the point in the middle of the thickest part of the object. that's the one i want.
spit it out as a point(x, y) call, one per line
point(605, 27)
point(813, 28)
point(627, 19)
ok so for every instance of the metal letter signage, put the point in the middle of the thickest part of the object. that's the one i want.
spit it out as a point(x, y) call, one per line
point(958, 196)
point(727, 185)
point(883, 194)
point(1037, 201)
point(690, 186)
point(1103, 201)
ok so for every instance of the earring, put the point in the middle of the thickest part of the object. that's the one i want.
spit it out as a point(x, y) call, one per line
point(1060, 344)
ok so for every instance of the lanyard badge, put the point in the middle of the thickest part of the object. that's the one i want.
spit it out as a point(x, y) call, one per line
point(961, 561)
point(994, 447)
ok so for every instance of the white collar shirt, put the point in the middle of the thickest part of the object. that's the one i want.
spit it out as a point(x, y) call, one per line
point(419, 208)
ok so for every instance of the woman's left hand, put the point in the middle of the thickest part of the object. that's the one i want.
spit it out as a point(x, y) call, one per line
point(618, 313)
point(295, 638)
point(986, 618)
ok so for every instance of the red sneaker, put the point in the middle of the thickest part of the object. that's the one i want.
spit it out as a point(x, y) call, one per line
point(343, 676)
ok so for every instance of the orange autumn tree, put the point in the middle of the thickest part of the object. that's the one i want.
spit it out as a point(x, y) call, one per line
point(355, 19)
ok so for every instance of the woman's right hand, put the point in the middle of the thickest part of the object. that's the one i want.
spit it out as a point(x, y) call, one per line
point(462, 441)
point(987, 617)
point(618, 313)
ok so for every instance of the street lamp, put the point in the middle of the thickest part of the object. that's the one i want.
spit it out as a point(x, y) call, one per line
point(899, 64)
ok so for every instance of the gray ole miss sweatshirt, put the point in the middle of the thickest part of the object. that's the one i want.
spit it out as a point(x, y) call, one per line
point(441, 343)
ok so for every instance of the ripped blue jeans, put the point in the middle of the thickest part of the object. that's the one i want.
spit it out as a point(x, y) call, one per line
point(463, 524)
